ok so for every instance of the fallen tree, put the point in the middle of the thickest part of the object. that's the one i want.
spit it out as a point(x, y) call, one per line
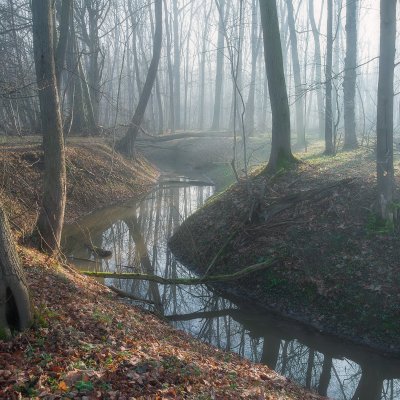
point(186, 281)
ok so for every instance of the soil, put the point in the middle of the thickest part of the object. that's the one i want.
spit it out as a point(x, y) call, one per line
point(96, 177)
point(338, 265)
point(86, 342)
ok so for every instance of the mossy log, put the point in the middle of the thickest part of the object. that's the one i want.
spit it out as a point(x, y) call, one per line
point(186, 281)
point(15, 306)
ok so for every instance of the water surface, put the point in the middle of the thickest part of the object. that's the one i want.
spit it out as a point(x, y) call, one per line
point(137, 235)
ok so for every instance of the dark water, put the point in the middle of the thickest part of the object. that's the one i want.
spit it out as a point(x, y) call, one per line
point(137, 235)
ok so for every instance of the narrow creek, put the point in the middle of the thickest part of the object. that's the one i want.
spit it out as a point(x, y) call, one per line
point(137, 234)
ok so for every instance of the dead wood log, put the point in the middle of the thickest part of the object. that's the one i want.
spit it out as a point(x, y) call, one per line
point(15, 305)
point(186, 281)
point(186, 135)
point(283, 203)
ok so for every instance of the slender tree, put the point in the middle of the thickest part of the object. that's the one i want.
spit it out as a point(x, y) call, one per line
point(127, 143)
point(280, 149)
point(350, 76)
point(220, 67)
point(65, 19)
point(255, 46)
point(318, 68)
point(329, 148)
point(384, 123)
point(298, 87)
point(51, 217)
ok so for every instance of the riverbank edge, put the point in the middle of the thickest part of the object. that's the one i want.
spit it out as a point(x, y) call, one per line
point(51, 283)
point(196, 228)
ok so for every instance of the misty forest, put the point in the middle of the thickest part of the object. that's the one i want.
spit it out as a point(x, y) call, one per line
point(199, 199)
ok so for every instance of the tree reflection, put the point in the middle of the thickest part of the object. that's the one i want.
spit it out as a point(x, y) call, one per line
point(138, 234)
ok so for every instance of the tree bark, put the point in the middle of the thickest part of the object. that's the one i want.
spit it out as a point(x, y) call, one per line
point(127, 143)
point(51, 217)
point(61, 50)
point(384, 124)
point(280, 148)
point(219, 68)
point(301, 140)
point(177, 66)
point(329, 149)
point(15, 306)
point(350, 76)
point(318, 69)
point(255, 46)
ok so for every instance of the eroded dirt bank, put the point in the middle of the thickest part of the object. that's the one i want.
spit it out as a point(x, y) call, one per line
point(96, 177)
point(337, 266)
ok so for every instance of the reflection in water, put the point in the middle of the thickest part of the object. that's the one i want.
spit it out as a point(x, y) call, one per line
point(137, 234)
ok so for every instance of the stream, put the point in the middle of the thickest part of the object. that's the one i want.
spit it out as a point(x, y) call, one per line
point(137, 234)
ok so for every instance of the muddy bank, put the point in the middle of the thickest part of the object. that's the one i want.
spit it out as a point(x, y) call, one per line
point(338, 268)
point(96, 177)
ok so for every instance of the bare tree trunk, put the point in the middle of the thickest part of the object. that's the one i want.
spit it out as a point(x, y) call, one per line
point(171, 122)
point(280, 148)
point(202, 70)
point(51, 217)
point(384, 124)
point(350, 76)
point(219, 68)
point(61, 50)
point(127, 143)
point(255, 46)
point(177, 66)
point(301, 140)
point(318, 68)
point(15, 306)
point(328, 84)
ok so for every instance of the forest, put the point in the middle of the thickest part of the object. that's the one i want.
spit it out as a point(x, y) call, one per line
point(199, 199)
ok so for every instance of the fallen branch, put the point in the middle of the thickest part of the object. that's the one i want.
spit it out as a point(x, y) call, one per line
point(121, 293)
point(185, 281)
point(290, 200)
point(186, 135)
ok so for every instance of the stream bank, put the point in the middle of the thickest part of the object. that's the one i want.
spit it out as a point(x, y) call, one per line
point(338, 269)
point(86, 342)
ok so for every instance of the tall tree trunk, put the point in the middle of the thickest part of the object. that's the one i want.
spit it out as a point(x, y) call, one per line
point(384, 124)
point(61, 50)
point(94, 70)
point(255, 46)
point(171, 122)
point(318, 68)
point(177, 65)
point(328, 84)
point(219, 68)
point(301, 140)
point(15, 306)
point(280, 148)
point(202, 68)
point(51, 217)
point(127, 143)
point(350, 76)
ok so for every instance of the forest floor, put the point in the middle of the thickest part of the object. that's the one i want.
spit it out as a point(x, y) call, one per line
point(337, 265)
point(86, 342)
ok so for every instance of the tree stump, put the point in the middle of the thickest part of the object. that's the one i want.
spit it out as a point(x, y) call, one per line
point(15, 306)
